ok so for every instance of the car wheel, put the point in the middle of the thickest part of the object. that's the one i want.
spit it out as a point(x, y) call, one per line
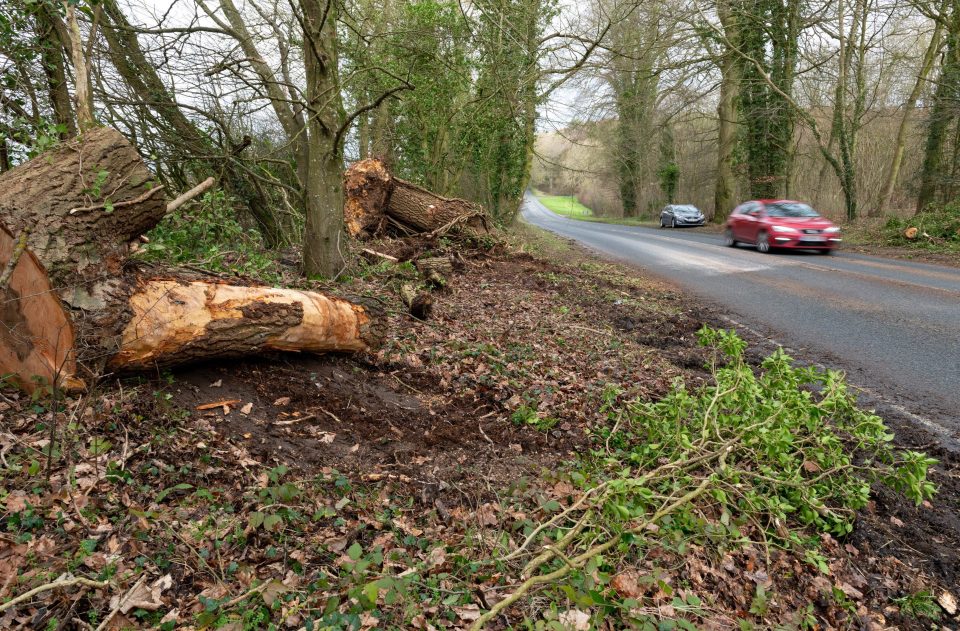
point(728, 239)
point(662, 225)
point(826, 251)
point(673, 223)
point(763, 243)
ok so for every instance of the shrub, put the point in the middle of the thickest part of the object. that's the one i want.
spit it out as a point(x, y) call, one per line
point(941, 223)
point(208, 235)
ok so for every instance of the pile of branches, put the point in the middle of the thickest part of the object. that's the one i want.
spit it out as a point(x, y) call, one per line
point(749, 452)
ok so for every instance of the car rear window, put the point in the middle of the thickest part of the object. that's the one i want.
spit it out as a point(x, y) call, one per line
point(790, 209)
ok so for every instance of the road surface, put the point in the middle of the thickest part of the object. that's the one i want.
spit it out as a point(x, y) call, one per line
point(893, 325)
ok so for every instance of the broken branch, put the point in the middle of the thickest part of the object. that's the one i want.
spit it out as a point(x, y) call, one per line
point(193, 192)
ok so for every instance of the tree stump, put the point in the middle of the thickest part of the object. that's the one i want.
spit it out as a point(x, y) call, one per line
point(75, 305)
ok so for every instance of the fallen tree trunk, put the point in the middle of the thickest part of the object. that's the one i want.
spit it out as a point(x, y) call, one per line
point(375, 198)
point(75, 305)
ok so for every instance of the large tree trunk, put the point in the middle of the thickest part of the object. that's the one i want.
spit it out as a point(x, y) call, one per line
point(74, 304)
point(725, 190)
point(323, 228)
point(376, 198)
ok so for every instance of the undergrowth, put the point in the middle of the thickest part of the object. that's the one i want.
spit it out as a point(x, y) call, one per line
point(208, 235)
point(938, 227)
point(773, 462)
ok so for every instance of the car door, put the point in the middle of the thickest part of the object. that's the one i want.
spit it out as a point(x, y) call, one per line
point(750, 226)
point(666, 215)
point(737, 220)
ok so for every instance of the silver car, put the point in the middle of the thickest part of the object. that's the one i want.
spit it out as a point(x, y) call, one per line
point(675, 215)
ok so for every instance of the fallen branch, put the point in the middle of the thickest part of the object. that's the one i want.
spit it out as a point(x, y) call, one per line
point(57, 584)
point(130, 202)
point(193, 192)
point(580, 560)
point(381, 255)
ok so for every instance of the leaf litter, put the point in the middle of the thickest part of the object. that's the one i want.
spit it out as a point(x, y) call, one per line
point(363, 491)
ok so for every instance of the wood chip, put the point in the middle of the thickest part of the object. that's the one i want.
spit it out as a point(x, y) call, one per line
point(217, 404)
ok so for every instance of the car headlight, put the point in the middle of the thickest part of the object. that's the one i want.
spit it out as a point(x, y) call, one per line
point(782, 229)
point(832, 230)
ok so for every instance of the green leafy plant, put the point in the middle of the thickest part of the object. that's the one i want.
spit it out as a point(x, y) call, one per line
point(208, 235)
point(938, 227)
point(785, 449)
point(922, 604)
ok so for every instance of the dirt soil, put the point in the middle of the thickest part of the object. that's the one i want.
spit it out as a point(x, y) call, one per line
point(483, 401)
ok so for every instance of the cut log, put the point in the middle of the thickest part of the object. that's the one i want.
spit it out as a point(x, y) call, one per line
point(419, 303)
point(83, 202)
point(911, 233)
point(374, 197)
point(435, 270)
point(175, 321)
point(75, 305)
point(36, 336)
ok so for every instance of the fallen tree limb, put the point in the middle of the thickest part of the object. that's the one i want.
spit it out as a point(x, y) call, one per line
point(375, 198)
point(199, 189)
point(577, 562)
point(57, 584)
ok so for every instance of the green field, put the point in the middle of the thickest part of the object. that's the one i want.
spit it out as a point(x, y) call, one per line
point(566, 205)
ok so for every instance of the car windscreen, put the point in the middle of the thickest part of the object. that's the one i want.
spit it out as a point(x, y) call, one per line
point(790, 209)
point(686, 209)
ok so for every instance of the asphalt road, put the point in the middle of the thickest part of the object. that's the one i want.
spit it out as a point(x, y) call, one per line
point(893, 325)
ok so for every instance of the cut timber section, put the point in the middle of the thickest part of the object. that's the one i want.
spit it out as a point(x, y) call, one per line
point(76, 304)
point(36, 336)
point(175, 322)
point(375, 198)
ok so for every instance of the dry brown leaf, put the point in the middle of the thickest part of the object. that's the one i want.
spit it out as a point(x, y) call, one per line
point(487, 515)
point(273, 589)
point(246, 409)
point(143, 597)
point(467, 613)
point(949, 602)
point(575, 620)
point(436, 558)
point(282, 401)
point(627, 584)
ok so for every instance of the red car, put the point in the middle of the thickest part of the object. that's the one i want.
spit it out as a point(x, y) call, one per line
point(780, 223)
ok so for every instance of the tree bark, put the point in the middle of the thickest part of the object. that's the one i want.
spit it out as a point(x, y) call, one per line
point(725, 190)
point(943, 114)
point(83, 202)
point(908, 108)
point(374, 197)
point(52, 39)
point(75, 303)
point(323, 229)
